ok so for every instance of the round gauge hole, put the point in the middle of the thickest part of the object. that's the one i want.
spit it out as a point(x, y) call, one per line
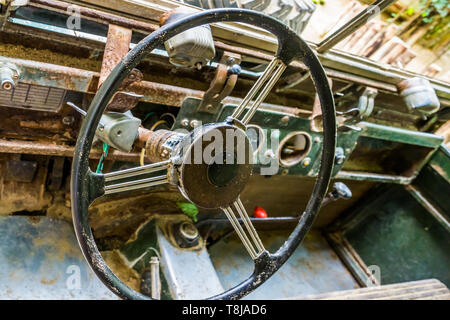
point(293, 148)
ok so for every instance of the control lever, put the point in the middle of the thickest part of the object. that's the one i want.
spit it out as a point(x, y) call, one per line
point(117, 129)
point(363, 110)
point(340, 191)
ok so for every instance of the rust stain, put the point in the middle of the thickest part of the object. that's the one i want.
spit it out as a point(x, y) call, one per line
point(117, 46)
point(64, 248)
point(48, 282)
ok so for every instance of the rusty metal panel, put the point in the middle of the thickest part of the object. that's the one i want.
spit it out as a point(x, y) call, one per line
point(50, 75)
point(117, 46)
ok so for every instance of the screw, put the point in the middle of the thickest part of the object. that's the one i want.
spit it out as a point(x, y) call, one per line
point(269, 154)
point(284, 172)
point(285, 119)
point(306, 162)
point(185, 122)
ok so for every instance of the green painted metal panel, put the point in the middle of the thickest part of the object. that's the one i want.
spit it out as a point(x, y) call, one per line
point(402, 238)
point(277, 128)
point(440, 162)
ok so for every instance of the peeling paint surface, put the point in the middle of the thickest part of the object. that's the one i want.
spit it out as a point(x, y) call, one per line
point(313, 268)
point(40, 259)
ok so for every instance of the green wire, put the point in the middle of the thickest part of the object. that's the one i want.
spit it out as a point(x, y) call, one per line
point(147, 115)
point(102, 158)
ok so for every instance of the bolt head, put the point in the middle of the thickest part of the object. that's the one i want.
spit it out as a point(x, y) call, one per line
point(188, 231)
point(235, 69)
point(7, 85)
point(269, 154)
point(339, 159)
point(194, 123)
point(68, 120)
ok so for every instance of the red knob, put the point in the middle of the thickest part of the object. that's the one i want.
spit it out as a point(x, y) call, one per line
point(259, 212)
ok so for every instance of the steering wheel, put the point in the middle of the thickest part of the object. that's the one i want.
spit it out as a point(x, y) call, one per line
point(206, 184)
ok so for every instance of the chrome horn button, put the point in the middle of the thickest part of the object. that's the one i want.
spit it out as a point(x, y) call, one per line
point(215, 164)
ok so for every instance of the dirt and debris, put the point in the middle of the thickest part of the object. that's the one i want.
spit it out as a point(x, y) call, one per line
point(121, 270)
point(44, 55)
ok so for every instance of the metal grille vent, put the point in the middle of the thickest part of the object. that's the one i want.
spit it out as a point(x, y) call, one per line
point(33, 97)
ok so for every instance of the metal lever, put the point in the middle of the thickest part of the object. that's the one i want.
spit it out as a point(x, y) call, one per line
point(366, 103)
point(340, 191)
point(76, 108)
point(354, 24)
point(101, 126)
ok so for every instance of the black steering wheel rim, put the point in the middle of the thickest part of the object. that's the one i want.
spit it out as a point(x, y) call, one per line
point(83, 185)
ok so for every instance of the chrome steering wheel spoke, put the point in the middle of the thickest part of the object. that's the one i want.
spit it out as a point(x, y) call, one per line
point(254, 247)
point(113, 181)
point(266, 81)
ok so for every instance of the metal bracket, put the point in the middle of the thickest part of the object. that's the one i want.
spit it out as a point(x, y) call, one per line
point(119, 130)
point(183, 269)
point(364, 109)
point(124, 100)
point(9, 76)
point(116, 47)
point(223, 83)
point(16, 4)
